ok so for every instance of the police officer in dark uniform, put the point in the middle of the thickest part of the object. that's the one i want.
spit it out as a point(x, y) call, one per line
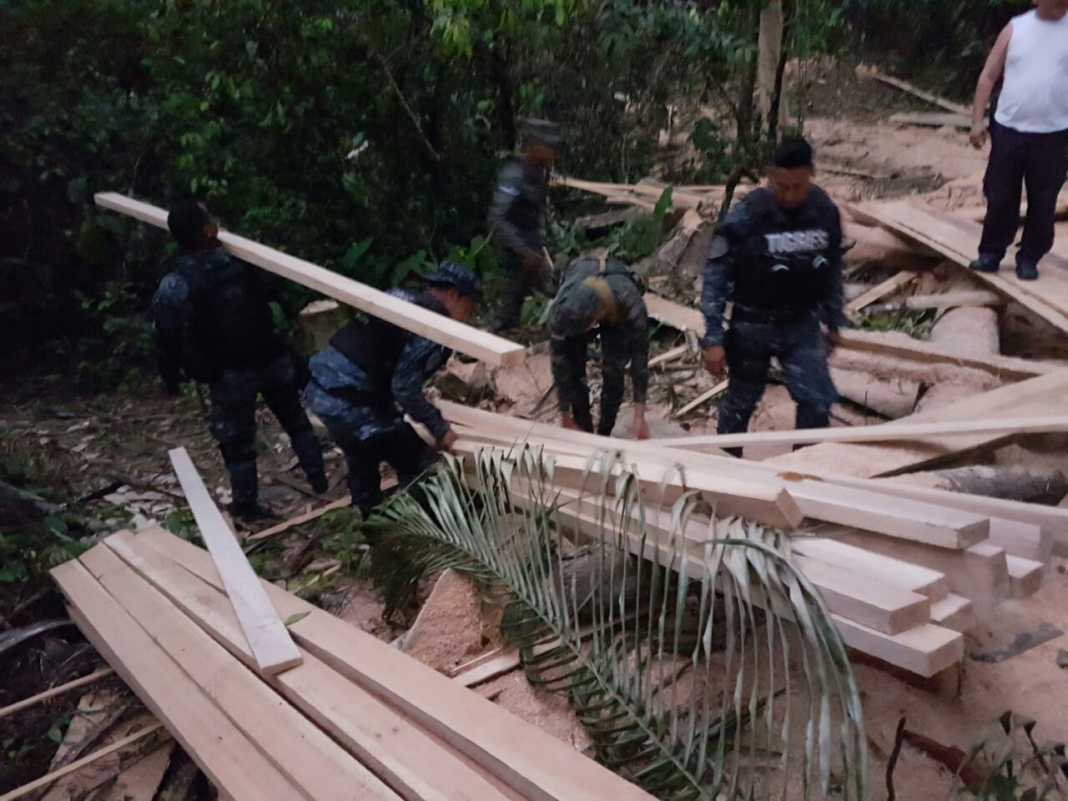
point(600, 296)
point(214, 326)
point(777, 256)
point(516, 218)
point(374, 372)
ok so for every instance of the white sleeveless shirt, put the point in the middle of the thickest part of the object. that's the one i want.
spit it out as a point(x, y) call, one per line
point(1034, 97)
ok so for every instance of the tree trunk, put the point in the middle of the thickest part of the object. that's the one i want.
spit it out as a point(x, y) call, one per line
point(770, 50)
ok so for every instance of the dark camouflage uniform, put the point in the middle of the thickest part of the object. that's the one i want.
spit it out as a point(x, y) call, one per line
point(361, 387)
point(516, 218)
point(783, 271)
point(214, 325)
point(624, 339)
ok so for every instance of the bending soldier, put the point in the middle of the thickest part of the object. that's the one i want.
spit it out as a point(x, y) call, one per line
point(373, 373)
point(516, 219)
point(777, 256)
point(600, 296)
point(214, 325)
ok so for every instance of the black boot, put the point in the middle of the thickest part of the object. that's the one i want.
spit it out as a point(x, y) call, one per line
point(1026, 268)
point(244, 486)
point(986, 263)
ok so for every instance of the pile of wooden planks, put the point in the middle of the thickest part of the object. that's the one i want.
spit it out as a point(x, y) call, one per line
point(356, 719)
point(904, 576)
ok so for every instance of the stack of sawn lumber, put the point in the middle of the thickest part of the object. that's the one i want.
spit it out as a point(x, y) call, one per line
point(356, 719)
point(904, 571)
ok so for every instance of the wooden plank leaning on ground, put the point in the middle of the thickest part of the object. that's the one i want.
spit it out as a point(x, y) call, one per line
point(295, 745)
point(263, 628)
point(918, 647)
point(220, 749)
point(530, 761)
point(439, 328)
point(871, 511)
point(957, 239)
point(412, 764)
point(52, 692)
point(878, 292)
point(867, 71)
point(887, 432)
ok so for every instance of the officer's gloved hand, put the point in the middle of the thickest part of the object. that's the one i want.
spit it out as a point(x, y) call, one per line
point(447, 442)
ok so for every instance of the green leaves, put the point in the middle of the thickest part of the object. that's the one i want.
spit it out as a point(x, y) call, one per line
point(702, 663)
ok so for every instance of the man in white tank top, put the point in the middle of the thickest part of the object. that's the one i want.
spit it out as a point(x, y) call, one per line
point(1029, 135)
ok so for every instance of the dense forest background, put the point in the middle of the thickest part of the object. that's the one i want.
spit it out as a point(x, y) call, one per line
point(364, 134)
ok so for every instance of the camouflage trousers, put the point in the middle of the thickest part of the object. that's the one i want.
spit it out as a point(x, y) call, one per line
point(799, 346)
point(519, 283)
point(233, 422)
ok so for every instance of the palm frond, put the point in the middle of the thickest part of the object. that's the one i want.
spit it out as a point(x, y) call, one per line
point(703, 664)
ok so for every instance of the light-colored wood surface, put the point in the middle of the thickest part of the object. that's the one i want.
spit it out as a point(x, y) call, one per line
point(300, 751)
point(916, 578)
point(761, 500)
point(888, 432)
point(933, 119)
point(527, 759)
point(218, 747)
point(856, 506)
point(1025, 576)
point(489, 670)
point(25, 703)
point(78, 764)
point(958, 240)
point(865, 71)
point(1044, 395)
point(953, 612)
point(946, 300)
point(415, 766)
point(878, 292)
point(436, 327)
point(925, 650)
point(705, 397)
point(263, 628)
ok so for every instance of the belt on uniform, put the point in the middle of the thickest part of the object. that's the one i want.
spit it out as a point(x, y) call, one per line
point(748, 314)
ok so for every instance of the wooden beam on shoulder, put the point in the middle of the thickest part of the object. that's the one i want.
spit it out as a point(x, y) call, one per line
point(444, 330)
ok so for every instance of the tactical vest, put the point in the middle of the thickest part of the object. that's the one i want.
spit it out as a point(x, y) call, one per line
point(783, 260)
point(232, 320)
point(375, 345)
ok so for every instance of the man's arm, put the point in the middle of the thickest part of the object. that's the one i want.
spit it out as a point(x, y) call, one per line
point(988, 79)
point(419, 361)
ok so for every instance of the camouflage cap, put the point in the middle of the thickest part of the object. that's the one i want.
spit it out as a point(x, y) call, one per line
point(544, 131)
point(575, 310)
point(451, 275)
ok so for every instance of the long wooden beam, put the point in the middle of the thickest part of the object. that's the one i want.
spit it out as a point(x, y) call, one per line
point(263, 628)
point(865, 508)
point(878, 292)
point(527, 759)
point(436, 327)
point(414, 765)
point(766, 502)
point(294, 744)
point(889, 432)
point(210, 738)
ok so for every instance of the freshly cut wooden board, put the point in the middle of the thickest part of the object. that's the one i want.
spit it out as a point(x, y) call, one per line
point(527, 759)
point(877, 567)
point(436, 327)
point(293, 744)
point(953, 612)
point(218, 747)
point(888, 432)
point(414, 765)
point(266, 634)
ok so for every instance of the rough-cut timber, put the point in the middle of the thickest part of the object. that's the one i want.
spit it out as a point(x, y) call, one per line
point(533, 762)
point(266, 634)
point(436, 327)
point(414, 765)
point(220, 749)
point(299, 749)
point(890, 432)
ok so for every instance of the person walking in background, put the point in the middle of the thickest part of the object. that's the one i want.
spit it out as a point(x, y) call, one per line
point(1029, 135)
point(516, 220)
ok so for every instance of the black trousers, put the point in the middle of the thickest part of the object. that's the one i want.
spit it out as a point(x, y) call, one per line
point(233, 422)
point(799, 347)
point(1041, 162)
